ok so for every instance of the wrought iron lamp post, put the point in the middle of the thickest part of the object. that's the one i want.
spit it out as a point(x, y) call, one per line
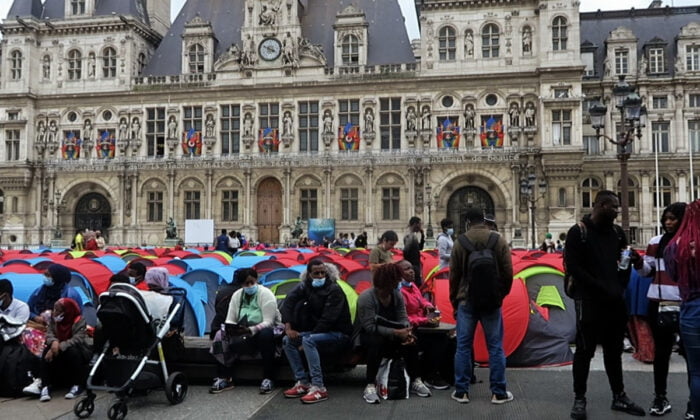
point(429, 197)
point(633, 118)
point(527, 190)
point(57, 234)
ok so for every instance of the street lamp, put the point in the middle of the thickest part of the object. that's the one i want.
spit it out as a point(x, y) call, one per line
point(527, 190)
point(429, 197)
point(633, 118)
point(57, 234)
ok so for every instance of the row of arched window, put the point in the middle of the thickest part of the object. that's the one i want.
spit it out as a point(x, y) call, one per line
point(490, 40)
point(590, 187)
point(78, 66)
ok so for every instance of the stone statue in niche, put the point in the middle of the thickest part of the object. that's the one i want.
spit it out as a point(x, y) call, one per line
point(46, 67)
point(53, 132)
point(411, 118)
point(268, 15)
point(123, 129)
point(91, 64)
point(287, 124)
point(369, 120)
point(248, 124)
point(172, 128)
point(327, 122)
point(468, 44)
point(425, 118)
point(527, 41)
point(41, 132)
point(469, 115)
point(530, 115)
point(209, 126)
point(514, 114)
point(289, 53)
point(87, 130)
point(135, 128)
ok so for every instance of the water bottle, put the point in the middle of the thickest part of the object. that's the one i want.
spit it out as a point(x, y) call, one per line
point(625, 259)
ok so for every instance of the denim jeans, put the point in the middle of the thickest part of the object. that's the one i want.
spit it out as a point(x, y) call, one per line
point(311, 343)
point(492, 322)
point(690, 335)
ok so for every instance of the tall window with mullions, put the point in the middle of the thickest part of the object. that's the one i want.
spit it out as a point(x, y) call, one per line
point(155, 132)
point(390, 123)
point(230, 129)
point(308, 126)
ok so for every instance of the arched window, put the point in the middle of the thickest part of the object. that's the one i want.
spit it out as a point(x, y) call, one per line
point(559, 35)
point(589, 188)
point(196, 58)
point(350, 50)
point(489, 41)
point(665, 192)
point(562, 199)
point(16, 65)
point(141, 62)
point(75, 65)
point(631, 192)
point(447, 43)
point(109, 63)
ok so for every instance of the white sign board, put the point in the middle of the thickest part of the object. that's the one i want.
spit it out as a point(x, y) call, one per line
point(199, 231)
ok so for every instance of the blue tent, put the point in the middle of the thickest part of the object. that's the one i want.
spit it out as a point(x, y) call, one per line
point(195, 316)
point(204, 283)
point(114, 263)
point(248, 261)
point(28, 261)
point(280, 274)
point(197, 263)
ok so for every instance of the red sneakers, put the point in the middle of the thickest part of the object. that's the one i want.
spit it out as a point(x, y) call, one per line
point(298, 390)
point(315, 395)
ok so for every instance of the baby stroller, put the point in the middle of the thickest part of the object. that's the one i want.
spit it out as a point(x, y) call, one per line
point(133, 327)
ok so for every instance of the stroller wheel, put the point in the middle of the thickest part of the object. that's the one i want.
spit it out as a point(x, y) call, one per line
point(117, 411)
point(176, 387)
point(84, 407)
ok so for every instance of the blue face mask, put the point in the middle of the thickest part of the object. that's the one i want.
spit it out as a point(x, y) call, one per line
point(251, 290)
point(48, 281)
point(450, 231)
point(132, 280)
point(404, 283)
point(318, 282)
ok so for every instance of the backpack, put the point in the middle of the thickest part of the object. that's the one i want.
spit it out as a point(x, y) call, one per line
point(484, 280)
point(15, 363)
point(569, 281)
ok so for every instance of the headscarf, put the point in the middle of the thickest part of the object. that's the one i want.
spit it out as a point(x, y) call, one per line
point(157, 278)
point(678, 210)
point(71, 315)
point(48, 295)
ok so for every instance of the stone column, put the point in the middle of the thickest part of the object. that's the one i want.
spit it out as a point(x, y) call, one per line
point(328, 172)
point(171, 193)
point(208, 173)
point(645, 204)
point(369, 199)
point(248, 193)
point(682, 185)
point(287, 204)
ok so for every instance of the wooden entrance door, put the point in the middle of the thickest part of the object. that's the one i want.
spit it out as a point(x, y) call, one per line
point(269, 211)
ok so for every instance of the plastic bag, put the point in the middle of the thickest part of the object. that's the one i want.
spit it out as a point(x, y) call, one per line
point(393, 381)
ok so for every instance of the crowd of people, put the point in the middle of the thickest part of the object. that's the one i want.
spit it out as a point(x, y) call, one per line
point(394, 320)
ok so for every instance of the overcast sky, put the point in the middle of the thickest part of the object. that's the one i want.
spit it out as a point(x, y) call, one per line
point(409, 12)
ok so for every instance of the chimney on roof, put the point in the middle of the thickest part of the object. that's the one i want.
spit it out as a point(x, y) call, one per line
point(656, 4)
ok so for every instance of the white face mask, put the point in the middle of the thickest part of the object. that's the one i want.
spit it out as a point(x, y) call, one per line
point(450, 231)
point(58, 318)
point(132, 280)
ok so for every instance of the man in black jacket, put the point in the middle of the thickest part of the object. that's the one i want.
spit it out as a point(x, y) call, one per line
point(592, 253)
point(316, 316)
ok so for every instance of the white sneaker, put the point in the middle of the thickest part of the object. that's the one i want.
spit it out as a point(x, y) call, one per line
point(45, 396)
point(419, 388)
point(34, 388)
point(75, 391)
point(370, 395)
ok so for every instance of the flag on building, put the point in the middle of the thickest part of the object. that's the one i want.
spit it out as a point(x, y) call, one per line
point(492, 131)
point(192, 142)
point(268, 140)
point(448, 135)
point(71, 147)
point(105, 147)
point(349, 137)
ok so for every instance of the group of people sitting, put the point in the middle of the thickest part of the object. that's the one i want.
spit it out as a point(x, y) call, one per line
point(315, 321)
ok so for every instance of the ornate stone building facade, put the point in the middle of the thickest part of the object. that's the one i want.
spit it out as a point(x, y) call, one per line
point(254, 113)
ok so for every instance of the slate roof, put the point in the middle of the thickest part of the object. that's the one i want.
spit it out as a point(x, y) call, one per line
point(647, 24)
point(25, 8)
point(388, 39)
point(55, 9)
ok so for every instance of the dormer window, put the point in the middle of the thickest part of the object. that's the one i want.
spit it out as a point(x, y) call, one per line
point(77, 7)
point(75, 63)
point(447, 40)
point(621, 61)
point(559, 33)
point(109, 63)
point(656, 60)
point(196, 58)
point(692, 58)
point(350, 50)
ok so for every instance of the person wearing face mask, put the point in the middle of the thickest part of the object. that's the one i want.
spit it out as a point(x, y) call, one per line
point(317, 319)
point(10, 307)
point(137, 274)
point(252, 315)
point(56, 279)
point(66, 356)
point(445, 242)
point(386, 330)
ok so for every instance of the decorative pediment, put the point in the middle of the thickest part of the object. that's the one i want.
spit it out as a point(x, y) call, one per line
point(349, 11)
point(655, 42)
point(691, 30)
point(588, 46)
point(622, 34)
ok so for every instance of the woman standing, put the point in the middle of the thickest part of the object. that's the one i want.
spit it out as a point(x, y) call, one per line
point(664, 304)
point(385, 330)
point(682, 260)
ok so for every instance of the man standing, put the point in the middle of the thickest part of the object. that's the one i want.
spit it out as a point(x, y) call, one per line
point(316, 316)
point(221, 243)
point(478, 284)
point(413, 243)
point(593, 249)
